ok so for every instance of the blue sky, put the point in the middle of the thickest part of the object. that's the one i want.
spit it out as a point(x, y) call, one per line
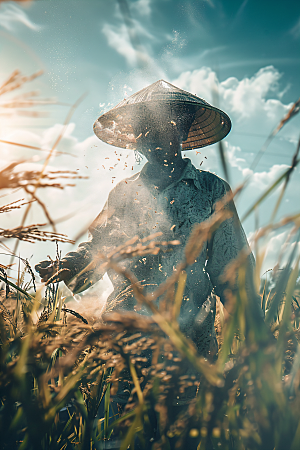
point(250, 49)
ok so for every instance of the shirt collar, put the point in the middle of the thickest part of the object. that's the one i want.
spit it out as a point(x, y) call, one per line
point(190, 173)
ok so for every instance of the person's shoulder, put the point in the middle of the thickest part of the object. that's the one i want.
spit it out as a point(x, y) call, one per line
point(211, 181)
point(124, 185)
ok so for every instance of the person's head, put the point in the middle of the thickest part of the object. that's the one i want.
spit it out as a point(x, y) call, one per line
point(160, 129)
point(161, 114)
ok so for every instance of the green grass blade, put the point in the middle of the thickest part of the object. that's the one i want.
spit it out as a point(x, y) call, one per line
point(106, 411)
point(223, 160)
point(285, 324)
point(280, 287)
point(263, 302)
point(17, 288)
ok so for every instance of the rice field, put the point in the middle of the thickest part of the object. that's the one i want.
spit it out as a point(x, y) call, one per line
point(59, 368)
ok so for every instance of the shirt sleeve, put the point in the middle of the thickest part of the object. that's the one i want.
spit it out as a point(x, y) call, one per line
point(104, 235)
point(225, 246)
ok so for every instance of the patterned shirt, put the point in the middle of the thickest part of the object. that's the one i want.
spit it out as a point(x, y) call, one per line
point(137, 207)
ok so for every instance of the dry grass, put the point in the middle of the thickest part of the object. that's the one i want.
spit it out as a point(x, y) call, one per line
point(33, 233)
point(30, 180)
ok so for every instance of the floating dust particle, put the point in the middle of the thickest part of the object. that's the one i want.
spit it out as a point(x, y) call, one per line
point(194, 432)
point(201, 163)
point(216, 432)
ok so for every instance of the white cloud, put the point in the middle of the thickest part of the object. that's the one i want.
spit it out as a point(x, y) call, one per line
point(239, 13)
point(245, 98)
point(142, 7)
point(233, 154)
point(261, 180)
point(284, 91)
point(278, 249)
point(11, 17)
point(118, 38)
point(210, 3)
point(295, 31)
point(199, 82)
point(50, 135)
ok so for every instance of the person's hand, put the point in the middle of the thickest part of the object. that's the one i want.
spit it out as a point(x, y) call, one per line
point(48, 269)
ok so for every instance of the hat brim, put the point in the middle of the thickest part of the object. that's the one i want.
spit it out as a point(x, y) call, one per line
point(209, 126)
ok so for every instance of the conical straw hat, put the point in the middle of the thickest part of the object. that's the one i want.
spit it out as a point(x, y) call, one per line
point(210, 124)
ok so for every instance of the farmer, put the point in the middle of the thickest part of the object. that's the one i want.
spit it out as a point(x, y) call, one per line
point(169, 195)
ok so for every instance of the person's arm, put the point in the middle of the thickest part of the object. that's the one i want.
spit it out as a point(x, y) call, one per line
point(226, 245)
point(84, 263)
point(82, 267)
